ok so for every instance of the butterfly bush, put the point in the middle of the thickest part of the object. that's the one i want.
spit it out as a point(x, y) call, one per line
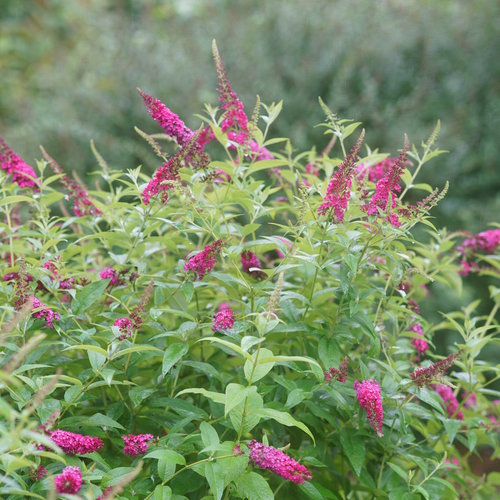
point(160, 332)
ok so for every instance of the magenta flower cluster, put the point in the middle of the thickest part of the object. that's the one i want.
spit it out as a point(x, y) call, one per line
point(370, 399)
point(82, 205)
point(267, 457)
point(250, 263)
point(75, 444)
point(418, 342)
point(425, 376)
point(169, 121)
point(385, 197)
point(485, 242)
point(340, 373)
point(136, 444)
point(70, 481)
point(39, 473)
point(223, 320)
point(111, 274)
point(204, 261)
point(450, 401)
point(338, 191)
point(47, 315)
point(22, 174)
point(125, 326)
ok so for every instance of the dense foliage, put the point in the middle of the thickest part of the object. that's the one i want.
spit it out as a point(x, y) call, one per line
point(243, 324)
point(393, 64)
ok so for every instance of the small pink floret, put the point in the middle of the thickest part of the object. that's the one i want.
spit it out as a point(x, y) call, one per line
point(136, 444)
point(370, 399)
point(70, 481)
point(278, 462)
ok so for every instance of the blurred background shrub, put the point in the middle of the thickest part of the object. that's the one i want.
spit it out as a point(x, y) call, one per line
point(70, 69)
point(70, 72)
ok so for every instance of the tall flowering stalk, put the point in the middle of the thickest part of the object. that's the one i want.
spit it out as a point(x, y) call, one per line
point(75, 444)
point(370, 399)
point(267, 457)
point(82, 205)
point(386, 188)
point(425, 376)
point(234, 120)
point(338, 191)
point(22, 174)
point(204, 261)
point(135, 318)
point(167, 175)
point(170, 122)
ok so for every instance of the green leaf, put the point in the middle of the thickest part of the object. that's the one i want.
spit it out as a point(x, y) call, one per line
point(136, 348)
point(86, 296)
point(88, 347)
point(209, 435)
point(169, 456)
point(354, 448)
point(215, 479)
point(172, 355)
point(431, 398)
point(264, 165)
point(104, 421)
point(162, 493)
point(217, 397)
point(262, 368)
point(188, 290)
point(253, 486)
point(235, 394)
point(226, 343)
point(452, 426)
point(285, 419)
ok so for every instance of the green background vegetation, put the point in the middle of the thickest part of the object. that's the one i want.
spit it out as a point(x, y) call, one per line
point(70, 71)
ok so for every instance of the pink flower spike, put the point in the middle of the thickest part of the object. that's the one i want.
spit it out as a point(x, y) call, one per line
point(39, 473)
point(22, 174)
point(370, 399)
point(251, 265)
point(470, 400)
point(136, 444)
point(109, 272)
point(450, 401)
point(338, 191)
point(419, 342)
point(172, 125)
point(70, 481)
point(47, 315)
point(267, 457)
point(125, 326)
point(339, 374)
point(223, 320)
point(204, 261)
point(75, 444)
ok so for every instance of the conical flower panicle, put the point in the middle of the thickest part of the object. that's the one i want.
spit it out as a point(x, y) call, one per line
point(267, 457)
point(82, 205)
point(22, 174)
point(370, 399)
point(385, 196)
point(425, 376)
point(170, 122)
point(339, 187)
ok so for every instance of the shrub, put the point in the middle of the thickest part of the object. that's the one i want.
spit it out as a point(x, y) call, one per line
point(240, 325)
